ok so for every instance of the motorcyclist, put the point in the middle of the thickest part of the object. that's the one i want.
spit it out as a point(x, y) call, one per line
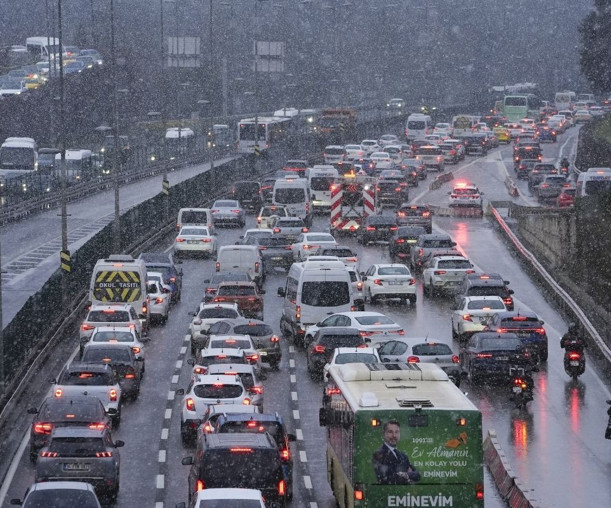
point(572, 340)
point(564, 163)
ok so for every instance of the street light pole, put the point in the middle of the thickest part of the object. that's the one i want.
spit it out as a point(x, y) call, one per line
point(115, 114)
point(165, 184)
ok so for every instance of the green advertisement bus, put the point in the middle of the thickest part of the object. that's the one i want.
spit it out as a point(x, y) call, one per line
point(401, 435)
point(517, 107)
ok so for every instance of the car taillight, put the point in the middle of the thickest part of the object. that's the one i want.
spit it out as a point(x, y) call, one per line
point(207, 240)
point(288, 247)
point(159, 299)
point(540, 331)
point(136, 349)
point(190, 403)
point(274, 338)
point(113, 395)
point(257, 266)
point(130, 375)
point(467, 317)
point(281, 487)
point(43, 428)
point(304, 230)
point(455, 359)
point(412, 282)
point(252, 358)
point(180, 240)
point(58, 393)
point(218, 267)
point(413, 359)
point(364, 333)
point(378, 282)
point(97, 426)
point(256, 390)
point(319, 349)
point(49, 454)
point(246, 401)
point(285, 454)
point(370, 228)
point(103, 455)
point(508, 301)
point(439, 272)
point(574, 356)
point(199, 485)
point(85, 327)
point(200, 370)
point(298, 312)
point(144, 309)
point(359, 286)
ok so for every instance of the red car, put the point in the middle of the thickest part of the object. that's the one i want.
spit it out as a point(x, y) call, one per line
point(248, 298)
point(566, 197)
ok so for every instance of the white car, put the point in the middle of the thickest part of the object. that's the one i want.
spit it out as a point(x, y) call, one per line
point(465, 194)
point(395, 152)
point(372, 326)
point(267, 212)
point(121, 335)
point(388, 139)
point(307, 244)
point(596, 111)
point(370, 146)
point(204, 391)
point(159, 299)
point(434, 139)
point(582, 115)
point(356, 283)
point(207, 314)
point(470, 314)
point(120, 314)
point(354, 152)
point(343, 355)
point(224, 497)
point(443, 129)
point(243, 342)
point(382, 160)
point(195, 240)
point(251, 379)
point(445, 273)
point(345, 254)
point(288, 226)
point(389, 281)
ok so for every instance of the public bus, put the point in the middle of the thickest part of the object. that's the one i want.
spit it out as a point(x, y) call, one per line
point(79, 165)
point(516, 107)
point(270, 130)
point(179, 141)
point(18, 157)
point(440, 433)
point(565, 100)
point(593, 181)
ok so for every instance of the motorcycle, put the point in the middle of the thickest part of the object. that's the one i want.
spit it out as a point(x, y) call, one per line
point(574, 358)
point(565, 167)
point(608, 431)
point(521, 386)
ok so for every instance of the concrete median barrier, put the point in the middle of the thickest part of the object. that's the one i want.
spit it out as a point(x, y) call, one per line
point(511, 187)
point(441, 179)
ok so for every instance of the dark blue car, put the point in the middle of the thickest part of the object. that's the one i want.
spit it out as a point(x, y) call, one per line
point(547, 134)
point(526, 325)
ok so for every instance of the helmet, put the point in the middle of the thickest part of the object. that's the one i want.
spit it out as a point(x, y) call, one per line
point(572, 328)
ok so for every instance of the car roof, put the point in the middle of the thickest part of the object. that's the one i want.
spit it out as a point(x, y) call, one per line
point(359, 350)
point(227, 351)
point(527, 314)
point(56, 485)
point(236, 283)
point(111, 328)
point(264, 417)
point(227, 494)
point(223, 368)
point(496, 335)
point(91, 367)
point(208, 379)
point(225, 440)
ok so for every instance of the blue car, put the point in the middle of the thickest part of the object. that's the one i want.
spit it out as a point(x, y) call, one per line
point(546, 133)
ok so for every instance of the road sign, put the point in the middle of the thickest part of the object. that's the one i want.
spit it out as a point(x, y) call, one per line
point(65, 261)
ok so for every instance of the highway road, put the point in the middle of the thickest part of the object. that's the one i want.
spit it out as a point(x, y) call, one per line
point(556, 446)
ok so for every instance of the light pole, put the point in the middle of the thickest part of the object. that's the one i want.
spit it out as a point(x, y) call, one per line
point(203, 103)
point(115, 118)
point(165, 184)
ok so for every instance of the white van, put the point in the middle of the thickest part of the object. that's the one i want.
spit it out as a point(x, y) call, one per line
point(593, 181)
point(333, 154)
point(418, 125)
point(314, 289)
point(241, 258)
point(320, 179)
point(294, 194)
point(194, 217)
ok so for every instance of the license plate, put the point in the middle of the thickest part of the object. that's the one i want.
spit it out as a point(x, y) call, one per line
point(192, 241)
point(517, 389)
point(394, 283)
point(263, 353)
point(277, 258)
point(76, 466)
point(574, 363)
point(502, 358)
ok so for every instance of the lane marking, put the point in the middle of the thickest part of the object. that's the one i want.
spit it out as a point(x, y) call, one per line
point(159, 504)
point(292, 363)
point(179, 364)
point(313, 504)
point(299, 434)
point(307, 482)
point(296, 414)
point(294, 395)
point(160, 481)
point(164, 433)
point(168, 414)
point(302, 456)
point(187, 338)
point(293, 378)
point(175, 379)
point(171, 394)
point(162, 455)
point(8, 480)
point(183, 350)
point(291, 349)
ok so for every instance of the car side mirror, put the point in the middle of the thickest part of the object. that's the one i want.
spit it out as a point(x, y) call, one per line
point(52, 381)
point(119, 444)
point(206, 281)
point(32, 411)
point(281, 292)
point(193, 314)
point(191, 361)
point(187, 461)
point(511, 291)
point(506, 282)
point(16, 501)
point(262, 291)
point(363, 277)
point(292, 437)
point(139, 359)
point(180, 505)
point(180, 391)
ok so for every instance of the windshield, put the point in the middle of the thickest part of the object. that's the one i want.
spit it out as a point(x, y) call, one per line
point(431, 349)
point(321, 183)
point(290, 196)
point(64, 498)
point(217, 391)
point(17, 157)
point(194, 217)
point(325, 293)
point(112, 337)
point(254, 330)
point(100, 316)
point(221, 313)
point(110, 355)
point(485, 304)
point(416, 125)
point(355, 358)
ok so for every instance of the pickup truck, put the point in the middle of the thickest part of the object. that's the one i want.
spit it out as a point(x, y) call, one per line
point(245, 294)
point(445, 274)
point(431, 245)
point(97, 380)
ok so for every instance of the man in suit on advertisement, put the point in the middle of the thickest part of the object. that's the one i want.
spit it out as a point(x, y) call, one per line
point(392, 466)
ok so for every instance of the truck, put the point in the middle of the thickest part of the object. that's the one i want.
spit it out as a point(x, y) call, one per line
point(120, 278)
point(337, 124)
point(353, 199)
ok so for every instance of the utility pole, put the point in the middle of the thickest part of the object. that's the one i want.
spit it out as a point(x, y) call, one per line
point(165, 184)
point(115, 114)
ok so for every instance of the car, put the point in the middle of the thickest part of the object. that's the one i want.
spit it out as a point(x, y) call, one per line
point(245, 294)
point(249, 234)
point(401, 243)
point(207, 314)
point(195, 240)
point(396, 104)
point(212, 284)
point(459, 146)
point(538, 172)
point(476, 143)
point(61, 493)
point(364, 165)
point(596, 111)
point(93, 53)
point(122, 359)
point(309, 243)
point(356, 283)
point(389, 281)
point(550, 187)
point(524, 167)
point(87, 60)
point(98, 380)
point(433, 139)
point(319, 350)
point(228, 212)
point(491, 139)
point(159, 298)
point(450, 154)
point(273, 424)
point(164, 263)
point(566, 197)
point(486, 284)
point(74, 67)
point(267, 188)
point(387, 140)
point(354, 152)
point(381, 160)
point(491, 354)
point(244, 460)
point(376, 228)
point(346, 254)
point(82, 454)
point(515, 129)
point(267, 212)
point(370, 146)
point(470, 314)
point(216, 356)
point(582, 116)
point(265, 340)
point(527, 326)
point(243, 258)
point(432, 157)
point(422, 350)
point(502, 134)
point(76, 411)
point(430, 245)
point(276, 251)
point(215, 411)
point(234, 341)
point(334, 153)
point(465, 195)
point(290, 227)
point(118, 335)
point(344, 355)
point(444, 274)
point(203, 391)
point(395, 153)
point(391, 188)
point(248, 193)
point(251, 378)
point(415, 215)
point(547, 133)
point(298, 166)
point(443, 129)
point(372, 326)
point(116, 314)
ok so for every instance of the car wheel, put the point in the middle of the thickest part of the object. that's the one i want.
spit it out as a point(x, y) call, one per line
point(472, 377)
point(185, 437)
point(164, 319)
point(543, 355)
point(116, 421)
point(412, 300)
point(454, 334)
point(371, 298)
point(33, 455)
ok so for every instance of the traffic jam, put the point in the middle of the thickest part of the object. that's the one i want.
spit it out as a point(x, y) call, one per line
point(308, 226)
